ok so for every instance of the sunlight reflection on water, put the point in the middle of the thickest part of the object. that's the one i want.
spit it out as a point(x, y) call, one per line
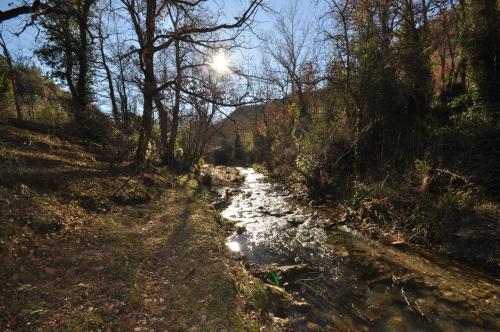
point(359, 284)
point(265, 216)
point(233, 246)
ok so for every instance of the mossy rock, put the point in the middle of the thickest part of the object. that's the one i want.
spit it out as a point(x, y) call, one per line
point(293, 273)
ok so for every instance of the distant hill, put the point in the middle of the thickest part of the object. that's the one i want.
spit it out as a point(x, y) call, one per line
point(243, 117)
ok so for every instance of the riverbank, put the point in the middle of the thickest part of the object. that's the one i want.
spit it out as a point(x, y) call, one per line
point(345, 281)
point(83, 247)
point(451, 217)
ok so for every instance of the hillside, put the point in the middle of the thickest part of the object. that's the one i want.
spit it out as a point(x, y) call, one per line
point(243, 117)
point(252, 122)
point(84, 248)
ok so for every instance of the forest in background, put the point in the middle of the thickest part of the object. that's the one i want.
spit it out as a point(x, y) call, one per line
point(388, 107)
point(402, 128)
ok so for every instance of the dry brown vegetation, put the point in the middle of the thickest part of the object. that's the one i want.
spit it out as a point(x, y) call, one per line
point(85, 248)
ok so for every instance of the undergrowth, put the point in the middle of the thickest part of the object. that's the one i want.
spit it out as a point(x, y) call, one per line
point(87, 247)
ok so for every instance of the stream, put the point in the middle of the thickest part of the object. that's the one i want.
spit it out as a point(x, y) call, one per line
point(358, 284)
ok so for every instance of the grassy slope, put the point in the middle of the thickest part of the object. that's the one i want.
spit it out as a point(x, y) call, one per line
point(73, 259)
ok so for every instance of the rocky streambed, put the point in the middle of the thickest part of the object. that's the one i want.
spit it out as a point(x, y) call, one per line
point(337, 280)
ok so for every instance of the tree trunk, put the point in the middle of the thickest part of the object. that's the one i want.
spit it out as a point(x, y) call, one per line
point(162, 113)
point(83, 63)
point(13, 78)
point(17, 103)
point(122, 93)
point(149, 86)
point(175, 111)
point(109, 78)
point(68, 59)
point(483, 52)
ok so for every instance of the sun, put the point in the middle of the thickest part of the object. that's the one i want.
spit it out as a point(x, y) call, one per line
point(220, 63)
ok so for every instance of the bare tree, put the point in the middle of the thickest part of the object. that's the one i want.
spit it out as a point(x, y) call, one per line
point(152, 40)
point(23, 9)
point(290, 48)
point(101, 36)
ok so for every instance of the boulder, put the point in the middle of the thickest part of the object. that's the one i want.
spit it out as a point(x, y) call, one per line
point(279, 300)
point(329, 224)
point(311, 326)
point(240, 230)
point(293, 273)
point(300, 306)
point(294, 220)
point(274, 213)
point(453, 297)
point(218, 204)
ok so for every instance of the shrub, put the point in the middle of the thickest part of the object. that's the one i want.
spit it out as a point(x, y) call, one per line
point(324, 158)
point(93, 125)
point(224, 154)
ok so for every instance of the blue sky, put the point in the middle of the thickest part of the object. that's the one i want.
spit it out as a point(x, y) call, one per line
point(25, 44)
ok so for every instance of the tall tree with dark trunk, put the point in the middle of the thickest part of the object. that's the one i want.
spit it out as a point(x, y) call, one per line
point(67, 49)
point(109, 76)
point(152, 40)
point(414, 65)
point(170, 152)
point(481, 43)
point(149, 84)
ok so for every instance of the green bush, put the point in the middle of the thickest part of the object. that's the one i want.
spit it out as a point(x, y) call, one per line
point(324, 157)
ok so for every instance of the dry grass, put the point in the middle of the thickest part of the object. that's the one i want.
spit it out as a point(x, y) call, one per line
point(74, 260)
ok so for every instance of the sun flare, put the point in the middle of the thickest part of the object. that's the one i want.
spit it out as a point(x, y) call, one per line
point(220, 63)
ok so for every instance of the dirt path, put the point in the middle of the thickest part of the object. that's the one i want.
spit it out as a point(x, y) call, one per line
point(78, 254)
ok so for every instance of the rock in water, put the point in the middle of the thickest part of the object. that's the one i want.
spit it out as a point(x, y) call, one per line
point(240, 230)
point(278, 298)
point(293, 273)
point(295, 220)
point(300, 306)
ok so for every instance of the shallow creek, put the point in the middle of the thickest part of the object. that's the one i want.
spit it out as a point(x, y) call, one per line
point(359, 284)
